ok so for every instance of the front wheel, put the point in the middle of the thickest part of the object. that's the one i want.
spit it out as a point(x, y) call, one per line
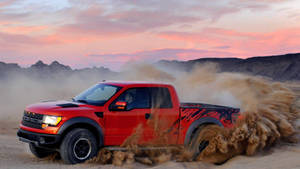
point(78, 146)
point(39, 152)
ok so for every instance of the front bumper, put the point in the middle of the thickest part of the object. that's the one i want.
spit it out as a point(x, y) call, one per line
point(41, 140)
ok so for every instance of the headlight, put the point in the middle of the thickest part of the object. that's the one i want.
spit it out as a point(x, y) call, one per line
point(52, 120)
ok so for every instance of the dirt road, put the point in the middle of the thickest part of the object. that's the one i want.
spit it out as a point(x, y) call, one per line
point(15, 155)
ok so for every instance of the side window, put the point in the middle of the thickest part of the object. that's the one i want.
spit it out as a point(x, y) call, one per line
point(161, 98)
point(136, 98)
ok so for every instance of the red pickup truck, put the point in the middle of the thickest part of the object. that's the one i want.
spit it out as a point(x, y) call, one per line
point(109, 112)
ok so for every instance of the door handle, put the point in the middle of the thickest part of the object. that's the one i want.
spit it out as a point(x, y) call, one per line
point(147, 116)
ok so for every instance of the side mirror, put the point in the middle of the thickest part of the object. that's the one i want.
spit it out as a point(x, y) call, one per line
point(119, 106)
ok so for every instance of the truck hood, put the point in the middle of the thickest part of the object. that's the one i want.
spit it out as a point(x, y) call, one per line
point(59, 107)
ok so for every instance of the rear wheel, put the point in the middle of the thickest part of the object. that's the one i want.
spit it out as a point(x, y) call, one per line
point(78, 146)
point(39, 152)
point(201, 139)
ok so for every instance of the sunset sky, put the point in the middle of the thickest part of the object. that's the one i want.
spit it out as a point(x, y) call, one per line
point(85, 33)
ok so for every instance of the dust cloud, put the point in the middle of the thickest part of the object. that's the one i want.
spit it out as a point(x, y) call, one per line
point(20, 90)
point(269, 111)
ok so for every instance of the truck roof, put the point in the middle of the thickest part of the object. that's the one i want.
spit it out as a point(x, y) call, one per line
point(136, 83)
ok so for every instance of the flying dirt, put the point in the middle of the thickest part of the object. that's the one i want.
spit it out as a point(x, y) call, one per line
point(269, 112)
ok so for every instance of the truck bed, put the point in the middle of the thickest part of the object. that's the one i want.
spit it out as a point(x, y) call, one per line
point(193, 111)
point(203, 105)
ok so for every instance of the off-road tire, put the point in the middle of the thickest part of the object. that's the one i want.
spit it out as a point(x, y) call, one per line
point(78, 146)
point(198, 144)
point(39, 152)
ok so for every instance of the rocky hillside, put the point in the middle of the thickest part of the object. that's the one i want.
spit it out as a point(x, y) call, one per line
point(281, 67)
point(53, 70)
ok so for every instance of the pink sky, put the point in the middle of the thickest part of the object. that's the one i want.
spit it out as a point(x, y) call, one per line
point(85, 33)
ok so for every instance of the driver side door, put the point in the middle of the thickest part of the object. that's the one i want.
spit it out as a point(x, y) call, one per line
point(120, 124)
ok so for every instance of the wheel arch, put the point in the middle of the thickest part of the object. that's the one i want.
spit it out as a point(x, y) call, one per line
point(82, 122)
point(196, 124)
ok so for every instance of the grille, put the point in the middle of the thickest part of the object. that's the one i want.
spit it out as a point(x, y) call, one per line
point(32, 120)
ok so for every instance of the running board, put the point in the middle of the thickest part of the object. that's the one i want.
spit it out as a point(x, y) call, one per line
point(112, 148)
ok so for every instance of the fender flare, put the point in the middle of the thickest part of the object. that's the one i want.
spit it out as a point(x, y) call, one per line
point(81, 121)
point(197, 123)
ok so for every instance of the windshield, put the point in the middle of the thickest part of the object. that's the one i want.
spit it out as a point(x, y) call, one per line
point(98, 94)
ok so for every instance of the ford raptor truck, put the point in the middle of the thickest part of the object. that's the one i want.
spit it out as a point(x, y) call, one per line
point(106, 114)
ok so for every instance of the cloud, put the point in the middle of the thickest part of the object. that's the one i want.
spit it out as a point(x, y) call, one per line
point(256, 4)
point(24, 29)
point(5, 3)
point(242, 43)
point(124, 17)
point(6, 38)
point(89, 32)
point(95, 21)
point(91, 20)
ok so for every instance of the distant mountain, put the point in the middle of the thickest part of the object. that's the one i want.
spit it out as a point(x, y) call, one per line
point(53, 67)
point(280, 67)
point(6, 68)
point(53, 70)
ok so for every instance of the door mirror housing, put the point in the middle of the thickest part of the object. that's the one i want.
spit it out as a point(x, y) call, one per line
point(119, 106)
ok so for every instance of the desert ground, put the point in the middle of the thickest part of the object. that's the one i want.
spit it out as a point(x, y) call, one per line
point(15, 154)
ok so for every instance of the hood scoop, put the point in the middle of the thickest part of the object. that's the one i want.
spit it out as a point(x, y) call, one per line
point(67, 105)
